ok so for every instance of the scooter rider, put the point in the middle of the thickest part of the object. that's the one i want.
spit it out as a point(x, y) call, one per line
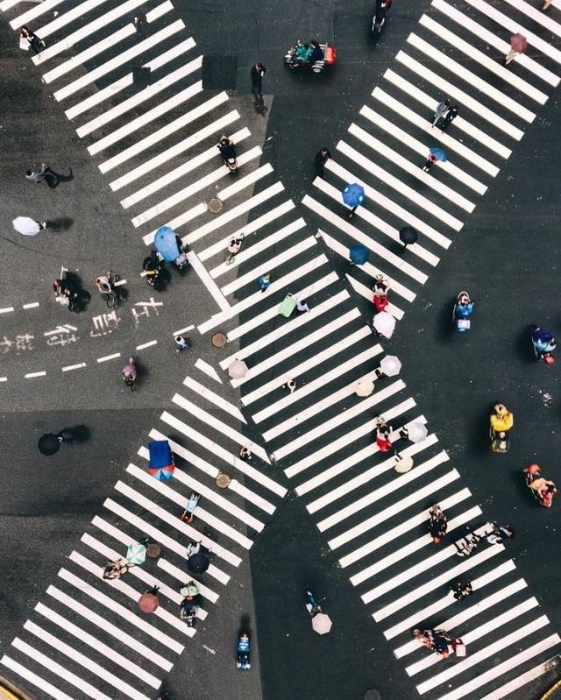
point(544, 344)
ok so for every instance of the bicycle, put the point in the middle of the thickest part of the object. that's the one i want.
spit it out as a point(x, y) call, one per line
point(234, 248)
point(111, 297)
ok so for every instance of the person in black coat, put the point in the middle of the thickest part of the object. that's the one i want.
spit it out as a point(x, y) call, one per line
point(321, 159)
point(257, 72)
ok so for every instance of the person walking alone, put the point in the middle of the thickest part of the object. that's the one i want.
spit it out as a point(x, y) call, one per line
point(45, 174)
point(448, 118)
point(257, 72)
point(321, 159)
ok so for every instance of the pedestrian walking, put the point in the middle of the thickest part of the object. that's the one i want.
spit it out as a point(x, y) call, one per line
point(264, 281)
point(518, 45)
point(322, 156)
point(43, 175)
point(380, 289)
point(430, 161)
point(256, 74)
point(115, 569)
point(440, 111)
point(438, 523)
point(188, 514)
point(448, 118)
point(36, 44)
point(234, 247)
point(461, 589)
point(245, 453)
point(182, 342)
point(141, 24)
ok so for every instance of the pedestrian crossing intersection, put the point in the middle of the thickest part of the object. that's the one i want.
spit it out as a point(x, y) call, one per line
point(320, 435)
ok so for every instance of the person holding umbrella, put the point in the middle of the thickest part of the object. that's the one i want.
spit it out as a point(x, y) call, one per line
point(518, 45)
point(433, 157)
point(353, 196)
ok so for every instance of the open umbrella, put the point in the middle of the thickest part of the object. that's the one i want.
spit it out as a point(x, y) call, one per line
point(384, 323)
point(364, 387)
point(26, 226)
point(148, 602)
point(238, 369)
point(390, 365)
point(439, 153)
point(136, 553)
point(518, 43)
point(165, 242)
point(321, 623)
point(198, 563)
point(358, 254)
point(408, 235)
point(417, 431)
point(162, 473)
point(48, 444)
point(403, 464)
point(353, 195)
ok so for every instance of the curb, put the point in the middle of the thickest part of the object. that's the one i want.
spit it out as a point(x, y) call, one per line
point(549, 694)
point(10, 692)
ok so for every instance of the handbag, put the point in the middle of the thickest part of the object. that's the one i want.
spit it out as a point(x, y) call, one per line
point(287, 306)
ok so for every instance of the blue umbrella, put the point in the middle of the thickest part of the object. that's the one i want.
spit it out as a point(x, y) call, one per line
point(438, 153)
point(165, 243)
point(358, 254)
point(353, 195)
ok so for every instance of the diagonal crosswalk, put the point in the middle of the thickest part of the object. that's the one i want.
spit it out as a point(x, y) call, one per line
point(157, 146)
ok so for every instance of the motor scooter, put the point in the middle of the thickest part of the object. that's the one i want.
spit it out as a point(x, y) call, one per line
point(244, 648)
point(542, 489)
point(462, 312)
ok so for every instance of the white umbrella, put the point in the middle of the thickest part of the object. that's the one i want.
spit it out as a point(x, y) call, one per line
point(390, 365)
point(403, 464)
point(364, 387)
point(384, 323)
point(238, 369)
point(321, 623)
point(136, 554)
point(26, 226)
point(417, 432)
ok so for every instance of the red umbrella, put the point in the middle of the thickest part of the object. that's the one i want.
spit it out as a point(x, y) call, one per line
point(518, 43)
point(148, 602)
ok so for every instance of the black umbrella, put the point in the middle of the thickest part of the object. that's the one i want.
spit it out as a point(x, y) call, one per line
point(408, 235)
point(48, 444)
point(198, 563)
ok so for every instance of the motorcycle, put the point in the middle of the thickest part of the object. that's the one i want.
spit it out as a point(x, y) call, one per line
point(543, 489)
point(302, 56)
point(379, 17)
point(462, 312)
point(228, 153)
point(501, 421)
point(544, 344)
point(152, 270)
point(243, 662)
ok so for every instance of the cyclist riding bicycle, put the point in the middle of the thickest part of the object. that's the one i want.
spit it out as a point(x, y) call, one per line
point(103, 284)
point(129, 373)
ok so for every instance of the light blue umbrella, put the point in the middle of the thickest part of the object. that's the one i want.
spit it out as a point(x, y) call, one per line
point(165, 243)
point(438, 153)
point(353, 195)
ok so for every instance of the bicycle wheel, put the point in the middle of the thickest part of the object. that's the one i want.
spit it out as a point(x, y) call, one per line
point(111, 300)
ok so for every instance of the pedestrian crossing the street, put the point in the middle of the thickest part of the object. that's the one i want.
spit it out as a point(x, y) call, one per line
point(320, 433)
point(103, 645)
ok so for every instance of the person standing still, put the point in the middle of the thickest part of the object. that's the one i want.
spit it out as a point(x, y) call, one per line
point(256, 74)
point(321, 159)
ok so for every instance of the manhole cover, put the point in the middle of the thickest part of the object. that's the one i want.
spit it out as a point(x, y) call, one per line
point(219, 340)
point(153, 551)
point(215, 205)
point(223, 481)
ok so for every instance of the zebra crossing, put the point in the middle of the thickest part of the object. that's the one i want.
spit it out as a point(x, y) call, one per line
point(104, 647)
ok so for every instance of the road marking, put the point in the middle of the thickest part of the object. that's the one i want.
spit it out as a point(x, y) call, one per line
point(33, 678)
point(6, 310)
point(146, 345)
point(109, 357)
point(32, 375)
point(208, 282)
point(69, 368)
point(208, 370)
point(32, 305)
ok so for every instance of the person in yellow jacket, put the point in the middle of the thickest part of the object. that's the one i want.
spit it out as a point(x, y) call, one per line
point(502, 421)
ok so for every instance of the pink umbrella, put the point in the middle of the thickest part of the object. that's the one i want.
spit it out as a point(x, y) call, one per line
point(518, 43)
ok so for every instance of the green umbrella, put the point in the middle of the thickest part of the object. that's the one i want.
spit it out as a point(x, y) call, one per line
point(136, 554)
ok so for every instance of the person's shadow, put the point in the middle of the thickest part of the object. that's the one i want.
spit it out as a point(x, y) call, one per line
point(63, 223)
point(62, 178)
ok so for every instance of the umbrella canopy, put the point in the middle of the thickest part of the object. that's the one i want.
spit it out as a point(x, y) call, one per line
point(403, 464)
point(364, 387)
point(390, 365)
point(518, 43)
point(148, 602)
point(321, 623)
point(160, 454)
point(384, 323)
point(198, 563)
point(238, 369)
point(162, 473)
point(165, 242)
point(353, 195)
point(136, 553)
point(408, 235)
point(439, 153)
point(417, 431)
point(189, 591)
point(358, 254)
point(48, 444)
point(26, 226)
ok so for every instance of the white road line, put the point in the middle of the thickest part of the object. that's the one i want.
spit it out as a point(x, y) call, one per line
point(55, 668)
point(208, 370)
point(7, 309)
point(140, 97)
point(149, 141)
point(3, 379)
point(450, 143)
point(78, 658)
point(232, 460)
point(359, 288)
point(211, 286)
point(109, 357)
point(246, 181)
point(430, 103)
point(147, 345)
point(213, 471)
point(475, 55)
point(175, 150)
point(272, 311)
point(100, 96)
point(479, 583)
point(411, 524)
point(355, 234)
point(109, 628)
point(213, 398)
point(167, 541)
point(183, 330)
point(69, 368)
point(381, 492)
point(119, 60)
point(506, 690)
point(441, 580)
point(31, 677)
point(34, 13)
point(460, 96)
point(32, 305)
point(536, 16)
point(33, 375)
point(489, 38)
point(68, 17)
point(101, 648)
